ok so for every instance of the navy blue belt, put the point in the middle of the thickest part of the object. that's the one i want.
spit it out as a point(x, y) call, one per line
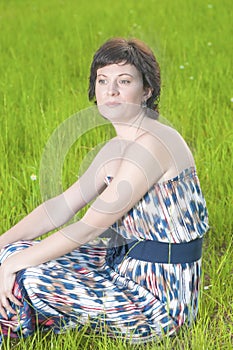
point(166, 253)
point(154, 251)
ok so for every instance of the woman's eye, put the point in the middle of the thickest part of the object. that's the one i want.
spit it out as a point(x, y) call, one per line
point(124, 81)
point(102, 81)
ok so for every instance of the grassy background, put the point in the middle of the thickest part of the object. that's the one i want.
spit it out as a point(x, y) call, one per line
point(46, 50)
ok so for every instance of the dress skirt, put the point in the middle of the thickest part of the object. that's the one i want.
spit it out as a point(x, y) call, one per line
point(135, 300)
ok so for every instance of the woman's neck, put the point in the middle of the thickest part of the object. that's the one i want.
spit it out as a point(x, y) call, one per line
point(130, 129)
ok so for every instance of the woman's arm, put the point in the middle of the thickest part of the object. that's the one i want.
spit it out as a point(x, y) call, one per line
point(138, 171)
point(56, 211)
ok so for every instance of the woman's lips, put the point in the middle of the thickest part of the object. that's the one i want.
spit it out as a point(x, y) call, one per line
point(113, 104)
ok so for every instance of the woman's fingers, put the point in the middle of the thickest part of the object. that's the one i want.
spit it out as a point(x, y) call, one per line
point(3, 312)
point(6, 306)
point(15, 300)
point(7, 298)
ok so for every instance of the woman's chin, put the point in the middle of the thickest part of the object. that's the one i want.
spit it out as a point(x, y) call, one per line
point(119, 111)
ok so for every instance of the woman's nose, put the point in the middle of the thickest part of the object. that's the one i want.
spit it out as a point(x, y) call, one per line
point(113, 89)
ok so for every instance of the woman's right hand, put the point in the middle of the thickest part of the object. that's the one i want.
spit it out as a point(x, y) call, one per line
point(7, 280)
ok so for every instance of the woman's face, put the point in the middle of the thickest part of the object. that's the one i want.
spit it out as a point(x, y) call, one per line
point(118, 85)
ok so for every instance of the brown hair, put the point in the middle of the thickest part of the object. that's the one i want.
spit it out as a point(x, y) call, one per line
point(135, 52)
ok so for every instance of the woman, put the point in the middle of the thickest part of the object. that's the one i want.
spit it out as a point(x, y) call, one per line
point(143, 185)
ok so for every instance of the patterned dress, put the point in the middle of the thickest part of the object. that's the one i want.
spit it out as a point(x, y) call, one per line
point(134, 299)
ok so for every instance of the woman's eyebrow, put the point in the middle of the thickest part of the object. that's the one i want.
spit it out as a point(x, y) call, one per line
point(130, 75)
point(119, 75)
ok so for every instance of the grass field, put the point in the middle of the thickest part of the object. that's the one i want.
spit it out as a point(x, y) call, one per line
point(46, 48)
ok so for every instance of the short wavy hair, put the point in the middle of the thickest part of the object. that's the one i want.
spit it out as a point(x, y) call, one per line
point(135, 52)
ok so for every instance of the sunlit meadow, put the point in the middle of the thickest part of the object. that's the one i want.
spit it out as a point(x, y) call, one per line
point(46, 48)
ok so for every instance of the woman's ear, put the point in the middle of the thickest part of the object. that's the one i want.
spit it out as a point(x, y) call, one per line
point(147, 93)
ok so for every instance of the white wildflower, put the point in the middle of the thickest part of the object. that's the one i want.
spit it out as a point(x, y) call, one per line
point(33, 177)
point(207, 287)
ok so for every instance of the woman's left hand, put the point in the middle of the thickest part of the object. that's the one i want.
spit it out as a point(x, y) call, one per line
point(7, 280)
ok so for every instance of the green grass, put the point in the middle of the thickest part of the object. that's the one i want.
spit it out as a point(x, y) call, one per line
point(46, 50)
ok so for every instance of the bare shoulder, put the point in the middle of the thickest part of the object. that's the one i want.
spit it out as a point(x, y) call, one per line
point(167, 145)
point(158, 135)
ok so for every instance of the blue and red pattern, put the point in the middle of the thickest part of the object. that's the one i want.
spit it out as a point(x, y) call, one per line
point(134, 299)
